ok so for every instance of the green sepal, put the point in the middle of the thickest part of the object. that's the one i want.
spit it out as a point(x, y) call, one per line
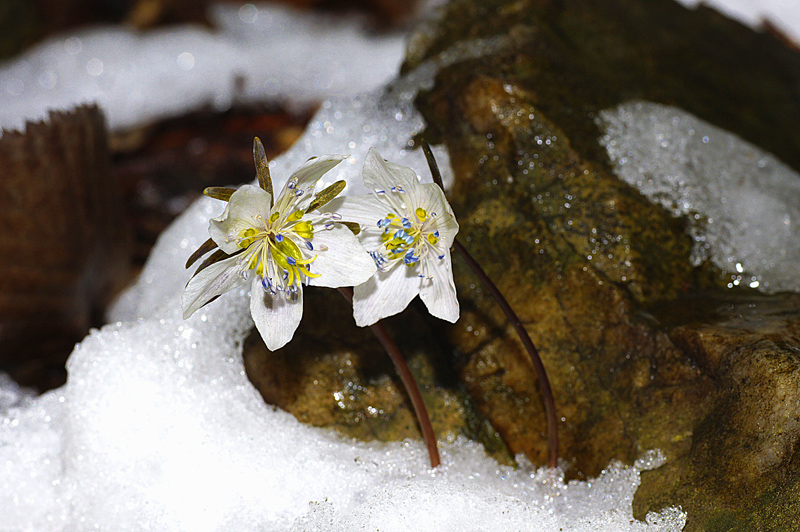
point(354, 227)
point(204, 248)
point(262, 169)
point(220, 193)
point(326, 195)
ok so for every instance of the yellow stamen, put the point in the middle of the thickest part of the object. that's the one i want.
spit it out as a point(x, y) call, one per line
point(253, 261)
point(421, 214)
point(304, 229)
point(246, 237)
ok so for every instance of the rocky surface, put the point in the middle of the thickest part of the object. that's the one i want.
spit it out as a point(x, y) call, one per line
point(643, 350)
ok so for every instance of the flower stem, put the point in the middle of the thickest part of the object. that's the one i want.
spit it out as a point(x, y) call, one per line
point(541, 372)
point(533, 353)
point(408, 382)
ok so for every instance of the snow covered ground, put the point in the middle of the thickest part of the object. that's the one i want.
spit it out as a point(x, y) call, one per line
point(158, 427)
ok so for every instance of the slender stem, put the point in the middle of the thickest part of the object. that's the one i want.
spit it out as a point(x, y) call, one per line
point(408, 381)
point(536, 360)
point(541, 373)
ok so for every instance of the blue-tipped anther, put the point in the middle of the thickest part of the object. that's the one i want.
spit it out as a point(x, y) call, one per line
point(299, 192)
point(328, 226)
point(410, 258)
point(380, 192)
point(285, 274)
point(400, 234)
point(379, 258)
point(293, 293)
point(291, 184)
point(441, 257)
point(291, 261)
point(436, 234)
point(309, 245)
point(405, 223)
point(279, 238)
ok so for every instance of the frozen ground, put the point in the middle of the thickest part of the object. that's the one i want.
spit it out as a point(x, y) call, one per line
point(158, 428)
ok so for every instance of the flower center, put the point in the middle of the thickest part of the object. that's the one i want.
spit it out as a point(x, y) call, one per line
point(280, 252)
point(409, 237)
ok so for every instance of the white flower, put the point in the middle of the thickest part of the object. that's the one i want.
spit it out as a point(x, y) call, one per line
point(408, 228)
point(278, 249)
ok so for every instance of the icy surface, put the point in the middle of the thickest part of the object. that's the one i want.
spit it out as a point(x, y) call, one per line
point(158, 428)
point(260, 52)
point(785, 14)
point(743, 203)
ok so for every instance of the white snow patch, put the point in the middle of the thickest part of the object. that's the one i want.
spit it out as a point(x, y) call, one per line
point(743, 204)
point(784, 14)
point(260, 52)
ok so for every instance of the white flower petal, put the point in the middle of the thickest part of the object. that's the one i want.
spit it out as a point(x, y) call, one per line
point(383, 175)
point(371, 240)
point(363, 210)
point(385, 294)
point(308, 174)
point(212, 281)
point(243, 210)
point(345, 262)
point(276, 317)
point(435, 202)
point(439, 294)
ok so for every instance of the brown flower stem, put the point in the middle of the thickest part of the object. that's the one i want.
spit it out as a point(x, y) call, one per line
point(536, 360)
point(409, 383)
point(533, 353)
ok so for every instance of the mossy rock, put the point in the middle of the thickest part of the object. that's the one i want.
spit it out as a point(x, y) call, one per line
point(586, 259)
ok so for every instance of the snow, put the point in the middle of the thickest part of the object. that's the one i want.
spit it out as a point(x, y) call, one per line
point(259, 52)
point(743, 203)
point(157, 427)
point(784, 14)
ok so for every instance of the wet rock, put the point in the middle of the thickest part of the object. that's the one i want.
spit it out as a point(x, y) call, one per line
point(741, 470)
point(334, 374)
